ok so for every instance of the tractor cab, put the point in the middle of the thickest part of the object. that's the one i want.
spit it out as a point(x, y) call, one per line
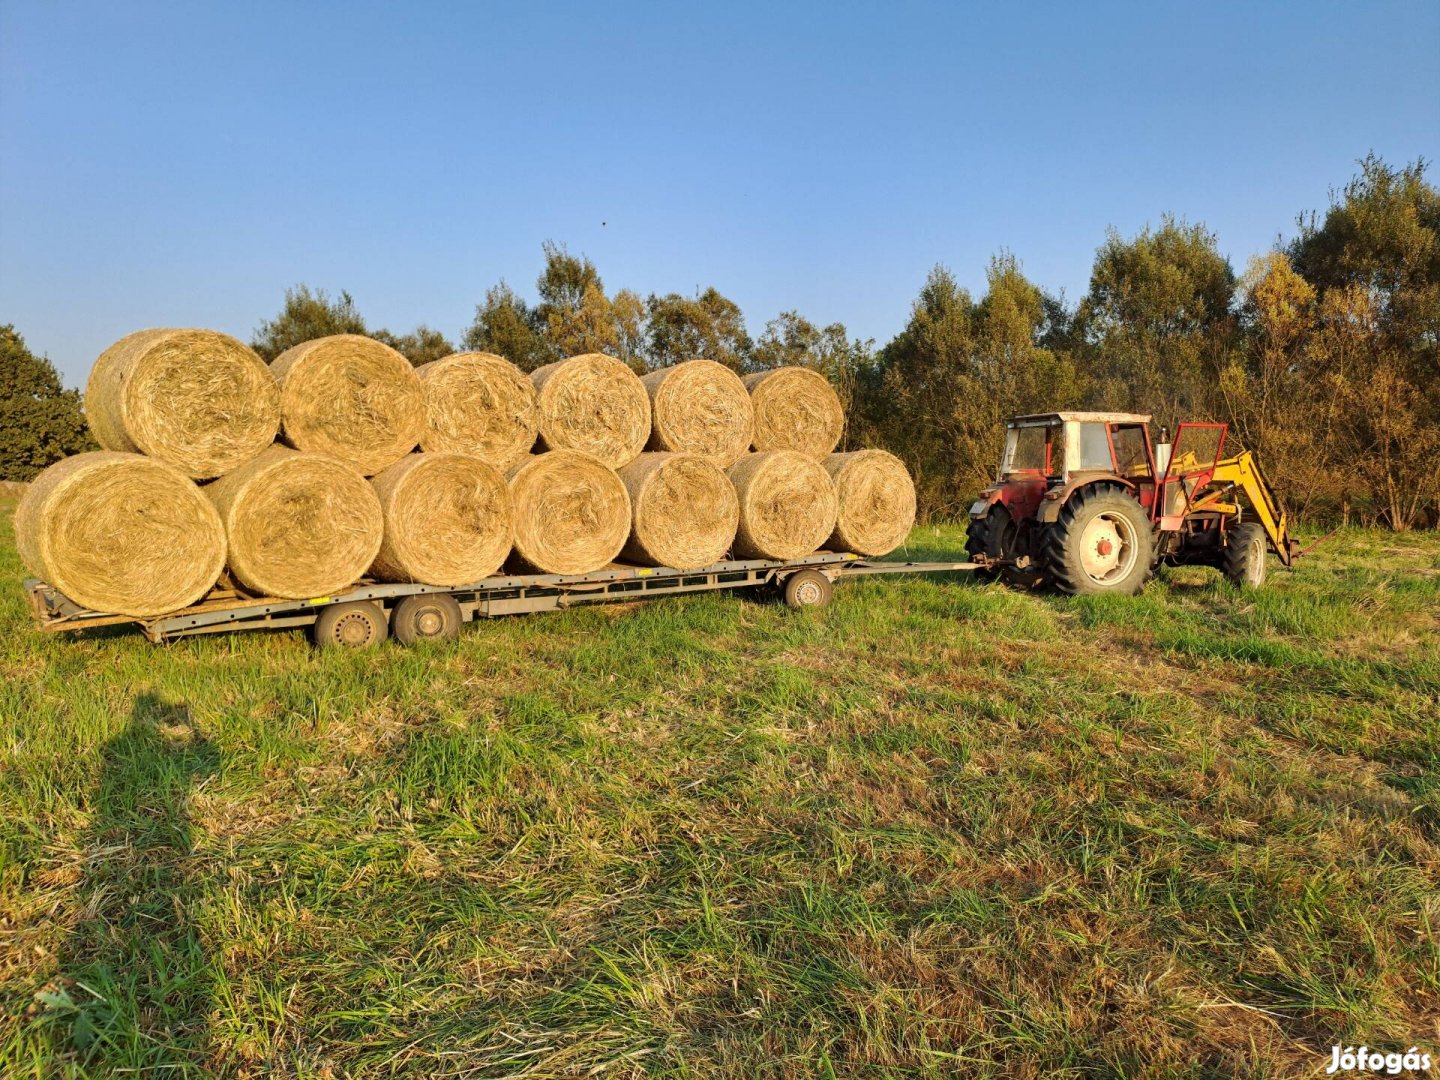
point(1049, 454)
point(1085, 501)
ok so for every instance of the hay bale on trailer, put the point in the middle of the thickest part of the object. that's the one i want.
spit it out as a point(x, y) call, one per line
point(787, 505)
point(876, 502)
point(120, 533)
point(447, 520)
point(572, 514)
point(197, 399)
point(351, 398)
point(700, 407)
point(299, 525)
point(594, 404)
point(795, 409)
point(684, 511)
point(479, 403)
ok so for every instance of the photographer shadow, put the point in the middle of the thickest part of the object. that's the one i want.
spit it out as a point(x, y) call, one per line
point(135, 987)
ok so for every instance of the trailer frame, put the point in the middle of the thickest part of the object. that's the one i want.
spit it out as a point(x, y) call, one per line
point(229, 609)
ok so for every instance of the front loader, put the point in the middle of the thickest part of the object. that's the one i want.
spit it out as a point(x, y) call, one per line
point(1085, 503)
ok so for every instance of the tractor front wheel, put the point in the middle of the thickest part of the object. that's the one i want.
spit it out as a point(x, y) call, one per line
point(1102, 542)
point(997, 535)
point(1243, 560)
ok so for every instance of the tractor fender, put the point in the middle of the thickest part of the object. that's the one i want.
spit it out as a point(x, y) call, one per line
point(1052, 501)
point(986, 499)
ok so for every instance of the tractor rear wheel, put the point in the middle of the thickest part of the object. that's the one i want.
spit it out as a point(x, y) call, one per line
point(1102, 542)
point(1243, 559)
point(991, 536)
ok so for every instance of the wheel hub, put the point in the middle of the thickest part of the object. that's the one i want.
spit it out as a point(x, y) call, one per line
point(1106, 550)
point(808, 593)
point(429, 622)
point(353, 630)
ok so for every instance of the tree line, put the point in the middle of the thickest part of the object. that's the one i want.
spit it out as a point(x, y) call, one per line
point(1323, 354)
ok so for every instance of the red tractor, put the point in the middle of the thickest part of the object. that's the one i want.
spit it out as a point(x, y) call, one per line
point(1086, 504)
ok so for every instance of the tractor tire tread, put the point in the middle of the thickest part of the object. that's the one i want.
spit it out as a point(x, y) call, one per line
point(1058, 539)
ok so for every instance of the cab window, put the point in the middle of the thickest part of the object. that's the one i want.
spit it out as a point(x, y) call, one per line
point(1094, 448)
point(1129, 442)
point(1029, 455)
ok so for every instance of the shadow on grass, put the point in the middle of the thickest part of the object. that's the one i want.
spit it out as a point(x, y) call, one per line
point(134, 992)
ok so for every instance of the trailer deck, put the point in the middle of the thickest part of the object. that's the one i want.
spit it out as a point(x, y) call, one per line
point(228, 609)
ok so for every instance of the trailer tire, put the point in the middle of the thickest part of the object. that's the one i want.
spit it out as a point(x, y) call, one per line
point(1243, 560)
point(808, 589)
point(426, 617)
point(358, 625)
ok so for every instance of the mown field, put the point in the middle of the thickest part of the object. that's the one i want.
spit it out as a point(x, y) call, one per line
point(937, 829)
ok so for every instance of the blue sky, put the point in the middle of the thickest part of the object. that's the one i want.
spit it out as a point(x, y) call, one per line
point(181, 164)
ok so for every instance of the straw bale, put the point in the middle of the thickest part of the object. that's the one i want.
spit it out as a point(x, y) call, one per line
point(200, 400)
point(120, 533)
point(684, 511)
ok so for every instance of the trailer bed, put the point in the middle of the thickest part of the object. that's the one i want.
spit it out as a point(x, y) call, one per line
point(226, 609)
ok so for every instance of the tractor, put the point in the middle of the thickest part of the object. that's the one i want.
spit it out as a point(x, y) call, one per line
point(1084, 503)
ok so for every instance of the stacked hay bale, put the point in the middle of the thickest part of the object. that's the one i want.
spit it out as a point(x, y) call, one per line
point(700, 407)
point(684, 511)
point(572, 513)
point(352, 398)
point(298, 524)
point(120, 532)
point(479, 403)
point(340, 461)
point(447, 519)
point(795, 409)
point(874, 502)
point(594, 404)
point(199, 400)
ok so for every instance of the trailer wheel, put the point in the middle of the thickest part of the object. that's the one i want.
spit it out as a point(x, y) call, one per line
point(808, 589)
point(426, 617)
point(1243, 559)
point(359, 625)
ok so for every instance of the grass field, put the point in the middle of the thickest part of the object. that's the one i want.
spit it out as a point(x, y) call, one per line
point(937, 829)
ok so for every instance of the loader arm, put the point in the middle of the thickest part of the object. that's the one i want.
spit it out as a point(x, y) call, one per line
point(1243, 472)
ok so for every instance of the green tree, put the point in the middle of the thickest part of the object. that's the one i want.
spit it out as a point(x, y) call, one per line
point(907, 403)
point(420, 346)
point(40, 420)
point(306, 315)
point(707, 326)
point(505, 325)
point(1374, 260)
point(627, 310)
point(938, 394)
point(1157, 321)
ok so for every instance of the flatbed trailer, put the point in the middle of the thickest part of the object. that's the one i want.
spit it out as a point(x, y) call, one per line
point(369, 612)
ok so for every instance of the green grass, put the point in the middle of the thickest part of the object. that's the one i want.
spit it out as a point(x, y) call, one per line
point(935, 829)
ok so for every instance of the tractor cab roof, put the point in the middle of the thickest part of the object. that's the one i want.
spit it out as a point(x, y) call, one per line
point(1095, 417)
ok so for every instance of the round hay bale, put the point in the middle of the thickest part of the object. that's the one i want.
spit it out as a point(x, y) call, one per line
point(298, 524)
point(876, 502)
point(684, 511)
point(795, 409)
point(352, 398)
point(787, 505)
point(572, 514)
point(594, 404)
point(700, 407)
point(478, 403)
point(200, 400)
point(121, 533)
point(447, 520)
